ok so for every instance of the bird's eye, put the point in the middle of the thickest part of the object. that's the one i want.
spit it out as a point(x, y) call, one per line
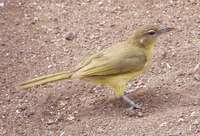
point(151, 32)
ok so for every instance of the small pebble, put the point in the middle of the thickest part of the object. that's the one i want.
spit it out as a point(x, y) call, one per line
point(70, 117)
point(140, 114)
point(180, 120)
point(168, 66)
point(1, 4)
point(50, 122)
point(17, 111)
point(196, 122)
point(163, 124)
point(197, 77)
point(100, 3)
point(62, 133)
point(50, 66)
point(193, 114)
point(70, 36)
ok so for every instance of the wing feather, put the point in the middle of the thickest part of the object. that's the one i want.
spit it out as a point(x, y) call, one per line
point(112, 65)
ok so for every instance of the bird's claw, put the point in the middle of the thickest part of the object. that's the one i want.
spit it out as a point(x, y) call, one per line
point(135, 106)
point(132, 104)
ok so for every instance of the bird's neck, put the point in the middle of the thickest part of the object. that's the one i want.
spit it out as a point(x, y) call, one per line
point(147, 48)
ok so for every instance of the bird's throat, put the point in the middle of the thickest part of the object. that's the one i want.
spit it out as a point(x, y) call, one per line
point(149, 52)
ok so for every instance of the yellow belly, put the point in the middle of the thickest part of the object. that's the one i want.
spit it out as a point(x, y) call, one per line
point(116, 81)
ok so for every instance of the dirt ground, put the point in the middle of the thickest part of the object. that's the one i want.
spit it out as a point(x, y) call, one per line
point(45, 36)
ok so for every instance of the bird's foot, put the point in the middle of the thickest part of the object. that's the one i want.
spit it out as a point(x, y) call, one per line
point(135, 106)
point(132, 104)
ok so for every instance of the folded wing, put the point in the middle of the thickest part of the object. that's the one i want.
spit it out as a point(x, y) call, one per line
point(105, 65)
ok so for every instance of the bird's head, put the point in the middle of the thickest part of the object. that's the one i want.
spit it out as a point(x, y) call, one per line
point(146, 36)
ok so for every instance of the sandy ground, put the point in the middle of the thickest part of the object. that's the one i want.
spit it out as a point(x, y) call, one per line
point(45, 36)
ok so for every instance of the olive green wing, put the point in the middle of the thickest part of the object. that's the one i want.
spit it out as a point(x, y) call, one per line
point(104, 65)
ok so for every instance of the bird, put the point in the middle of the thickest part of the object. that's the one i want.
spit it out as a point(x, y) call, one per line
point(114, 66)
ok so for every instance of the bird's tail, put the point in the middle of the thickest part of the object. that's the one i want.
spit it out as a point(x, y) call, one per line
point(46, 79)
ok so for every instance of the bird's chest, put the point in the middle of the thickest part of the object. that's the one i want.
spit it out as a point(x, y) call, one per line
point(149, 56)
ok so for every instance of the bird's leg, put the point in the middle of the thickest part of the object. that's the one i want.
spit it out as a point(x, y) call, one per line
point(132, 104)
point(120, 92)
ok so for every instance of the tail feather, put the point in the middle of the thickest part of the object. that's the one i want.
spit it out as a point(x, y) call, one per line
point(46, 79)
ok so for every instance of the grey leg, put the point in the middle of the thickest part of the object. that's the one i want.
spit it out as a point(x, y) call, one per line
point(131, 103)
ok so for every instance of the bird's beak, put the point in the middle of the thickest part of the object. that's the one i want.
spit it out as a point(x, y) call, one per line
point(166, 29)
